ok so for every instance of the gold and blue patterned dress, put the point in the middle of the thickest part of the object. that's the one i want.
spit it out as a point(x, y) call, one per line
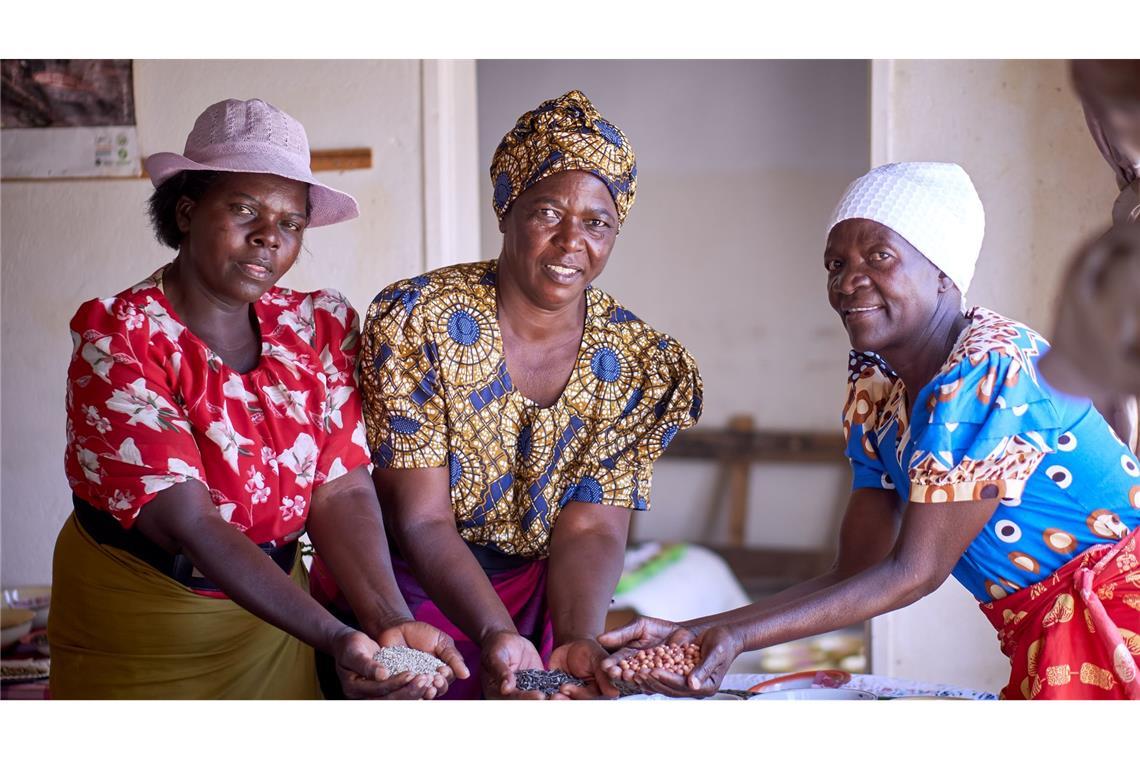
point(437, 393)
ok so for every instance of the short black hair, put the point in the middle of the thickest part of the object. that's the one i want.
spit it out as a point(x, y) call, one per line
point(163, 203)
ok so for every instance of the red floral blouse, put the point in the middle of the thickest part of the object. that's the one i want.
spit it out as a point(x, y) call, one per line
point(150, 405)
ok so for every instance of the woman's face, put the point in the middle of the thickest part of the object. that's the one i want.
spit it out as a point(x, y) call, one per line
point(557, 237)
point(243, 234)
point(883, 289)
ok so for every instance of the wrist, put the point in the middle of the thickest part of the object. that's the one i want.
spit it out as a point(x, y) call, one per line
point(492, 632)
point(382, 620)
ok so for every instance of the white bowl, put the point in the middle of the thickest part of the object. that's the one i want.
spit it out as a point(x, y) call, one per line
point(814, 693)
point(35, 598)
point(14, 625)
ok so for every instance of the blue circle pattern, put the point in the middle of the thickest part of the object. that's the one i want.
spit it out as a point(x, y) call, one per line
point(605, 365)
point(588, 490)
point(523, 443)
point(404, 425)
point(463, 328)
point(503, 189)
point(607, 130)
point(454, 469)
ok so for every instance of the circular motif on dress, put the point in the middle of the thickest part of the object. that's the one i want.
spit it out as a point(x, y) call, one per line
point(1129, 465)
point(667, 436)
point(588, 490)
point(465, 339)
point(462, 328)
point(887, 483)
point(603, 378)
point(1067, 442)
point(1024, 562)
point(1008, 531)
point(1134, 497)
point(995, 590)
point(605, 364)
point(1059, 541)
point(1011, 501)
point(1060, 475)
point(1106, 524)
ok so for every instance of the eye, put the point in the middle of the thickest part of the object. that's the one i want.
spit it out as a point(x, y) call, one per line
point(294, 226)
point(879, 256)
point(832, 265)
point(241, 208)
point(598, 223)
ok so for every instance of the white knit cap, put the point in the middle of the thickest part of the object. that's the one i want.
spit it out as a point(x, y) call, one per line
point(933, 205)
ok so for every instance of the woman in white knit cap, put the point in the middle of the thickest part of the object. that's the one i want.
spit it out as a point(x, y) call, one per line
point(965, 462)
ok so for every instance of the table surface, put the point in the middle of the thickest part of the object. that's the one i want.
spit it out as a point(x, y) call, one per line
point(881, 686)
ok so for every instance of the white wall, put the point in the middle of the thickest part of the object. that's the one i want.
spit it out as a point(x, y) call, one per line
point(64, 242)
point(739, 165)
point(1018, 130)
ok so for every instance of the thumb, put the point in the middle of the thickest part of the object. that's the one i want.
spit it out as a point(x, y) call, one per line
point(621, 636)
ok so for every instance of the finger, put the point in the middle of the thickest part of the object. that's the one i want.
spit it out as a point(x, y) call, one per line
point(665, 682)
point(356, 687)
point(621, 636)
point(706, 670)
point(447, 652)
point(571, 691)
point(416, 689)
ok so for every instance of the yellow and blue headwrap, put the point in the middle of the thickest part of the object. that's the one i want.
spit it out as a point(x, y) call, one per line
point(563, 134)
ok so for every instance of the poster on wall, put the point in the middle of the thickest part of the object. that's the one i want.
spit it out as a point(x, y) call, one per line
point(68, 118)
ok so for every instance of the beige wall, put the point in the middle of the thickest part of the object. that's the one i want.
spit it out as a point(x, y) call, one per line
point(1018, 130)
point(739, 166)
point(67, 241)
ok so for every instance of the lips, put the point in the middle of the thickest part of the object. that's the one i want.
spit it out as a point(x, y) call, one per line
point(257, 270)
point(564, 273)
point(859, 312)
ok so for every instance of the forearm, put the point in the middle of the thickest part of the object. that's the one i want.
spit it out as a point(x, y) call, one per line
point(886, 586)
point(349, 535)
point(251, 579)
point(747, 612)
point(584, 570)
point(453, 578)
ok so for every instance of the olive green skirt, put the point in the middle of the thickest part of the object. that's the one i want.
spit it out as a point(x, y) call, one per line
point(120, 629)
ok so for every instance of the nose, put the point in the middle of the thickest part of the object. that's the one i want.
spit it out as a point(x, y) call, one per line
point(850, 278)
point(570, 235)
point(265, 235)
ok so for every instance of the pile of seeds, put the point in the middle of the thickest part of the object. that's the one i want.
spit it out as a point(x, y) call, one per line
point(676, 658)
point(546, 681)
point(407, 660)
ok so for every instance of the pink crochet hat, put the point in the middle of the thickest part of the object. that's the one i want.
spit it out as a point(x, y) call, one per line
point(253, 136)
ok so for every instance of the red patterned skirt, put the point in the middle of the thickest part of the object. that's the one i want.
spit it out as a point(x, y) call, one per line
point(1076, 634)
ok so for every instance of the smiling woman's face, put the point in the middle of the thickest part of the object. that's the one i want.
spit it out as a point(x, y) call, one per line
point(243, 234)
point(557, 237)
point(884, 290)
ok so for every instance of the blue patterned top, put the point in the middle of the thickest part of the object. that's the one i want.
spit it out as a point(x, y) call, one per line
point(988, 426)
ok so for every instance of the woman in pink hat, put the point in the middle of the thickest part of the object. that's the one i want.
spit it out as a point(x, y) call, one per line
point(212, 419)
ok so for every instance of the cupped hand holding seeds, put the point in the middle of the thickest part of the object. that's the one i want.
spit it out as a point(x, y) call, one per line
point(503, 654)
point(582, 659)
point(667, 658)
point(401, 641)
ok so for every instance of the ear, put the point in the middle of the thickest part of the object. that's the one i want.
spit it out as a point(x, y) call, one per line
point(183, 210)
point(945, 283)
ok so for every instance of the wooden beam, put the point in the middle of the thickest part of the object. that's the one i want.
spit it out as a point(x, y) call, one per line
point(334, 160)
point(758, 446)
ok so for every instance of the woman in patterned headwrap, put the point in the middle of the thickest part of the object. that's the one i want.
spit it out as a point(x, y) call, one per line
point(965, 461)
point(514, 411)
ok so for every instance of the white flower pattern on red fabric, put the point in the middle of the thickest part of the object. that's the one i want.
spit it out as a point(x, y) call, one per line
point(292, 404)
point(144, 406)
point(301, 458)
point(96, 420)
point(98, 355)
point(292, 507)
point(230, 441)
point(255, 487)
point(300, 320)
point(150, 405)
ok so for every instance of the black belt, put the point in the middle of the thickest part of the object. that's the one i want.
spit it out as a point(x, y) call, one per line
point(107, 531)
